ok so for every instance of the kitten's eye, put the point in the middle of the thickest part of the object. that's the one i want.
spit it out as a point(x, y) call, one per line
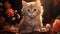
point(34, 9)
point(28, 10)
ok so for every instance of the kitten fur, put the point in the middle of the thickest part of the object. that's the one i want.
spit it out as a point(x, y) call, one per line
point(31, 16)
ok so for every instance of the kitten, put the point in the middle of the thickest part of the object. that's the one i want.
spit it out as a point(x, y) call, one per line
point(31, 20)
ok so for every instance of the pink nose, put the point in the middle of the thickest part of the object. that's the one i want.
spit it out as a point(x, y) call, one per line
point(31, 12)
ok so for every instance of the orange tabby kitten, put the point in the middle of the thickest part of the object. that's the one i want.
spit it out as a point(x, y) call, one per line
point(31, 22)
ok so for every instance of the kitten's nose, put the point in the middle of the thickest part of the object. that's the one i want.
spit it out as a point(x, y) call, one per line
point(31, 12)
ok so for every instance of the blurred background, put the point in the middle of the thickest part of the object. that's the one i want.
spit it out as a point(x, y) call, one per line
point(50, 10)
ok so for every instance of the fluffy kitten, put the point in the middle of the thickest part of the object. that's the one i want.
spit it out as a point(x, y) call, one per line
point(31, 20)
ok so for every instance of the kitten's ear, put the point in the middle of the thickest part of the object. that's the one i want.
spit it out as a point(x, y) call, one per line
point(38, 3)
point(24, 3)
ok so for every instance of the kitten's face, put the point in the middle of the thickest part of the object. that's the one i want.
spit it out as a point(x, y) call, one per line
point(31, 9)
